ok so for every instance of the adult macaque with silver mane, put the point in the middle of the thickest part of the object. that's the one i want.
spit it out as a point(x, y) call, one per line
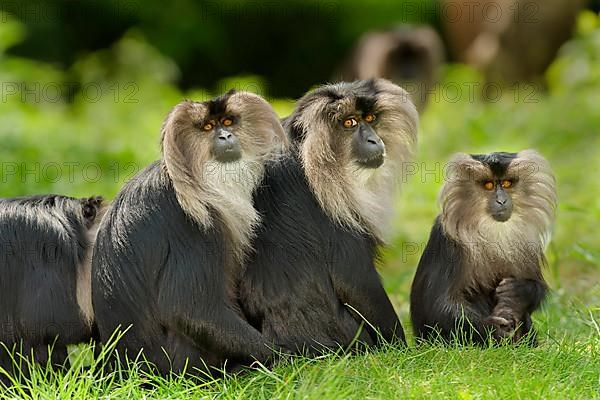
point(481, 271)
point(310, 282)
point(169, 252)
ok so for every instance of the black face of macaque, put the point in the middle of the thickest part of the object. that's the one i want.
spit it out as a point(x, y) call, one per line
point(310, 282)
point(499, 185)
point(368, 149)
point(483, 262)
point(91, 208)
point(220, 126)
point(168, 257)
point(45, 297)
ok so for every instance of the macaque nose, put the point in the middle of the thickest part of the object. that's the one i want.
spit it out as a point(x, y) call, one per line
point(372, 141)
point(501, 197)
point(225, 135)
point(226, 147)
point(372, 145)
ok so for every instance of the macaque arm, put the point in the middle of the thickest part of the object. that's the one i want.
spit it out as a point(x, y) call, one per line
point(358, 285)
point(521, 295)
point(191, 300)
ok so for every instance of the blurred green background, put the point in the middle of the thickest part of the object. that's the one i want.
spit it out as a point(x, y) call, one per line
point(86, 85)
point(214, 39)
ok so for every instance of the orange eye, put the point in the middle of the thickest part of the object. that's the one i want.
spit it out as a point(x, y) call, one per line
point(350, 123)
point(506, 183)
point(369, 118)
point(227, 122)
point(207, 127)
point(489, 185)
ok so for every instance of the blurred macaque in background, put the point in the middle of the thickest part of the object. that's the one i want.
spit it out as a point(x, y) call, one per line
point(510, 41)
point(408, 55)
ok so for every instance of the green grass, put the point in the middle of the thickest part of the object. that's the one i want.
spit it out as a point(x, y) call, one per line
point(563, 124)
point(566, 365)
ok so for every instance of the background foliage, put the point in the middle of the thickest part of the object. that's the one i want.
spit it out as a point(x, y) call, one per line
point(269, 38)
